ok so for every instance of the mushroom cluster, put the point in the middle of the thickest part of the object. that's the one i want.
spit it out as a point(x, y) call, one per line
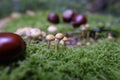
point(88, 35)
point(77, 20)
point(56, 38)
point(29, 33)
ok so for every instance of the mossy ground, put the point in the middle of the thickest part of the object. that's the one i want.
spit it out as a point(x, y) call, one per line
point(99, 61)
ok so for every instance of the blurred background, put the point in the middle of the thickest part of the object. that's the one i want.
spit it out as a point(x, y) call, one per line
point(110, 7)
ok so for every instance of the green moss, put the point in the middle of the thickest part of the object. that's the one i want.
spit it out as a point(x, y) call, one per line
point(99, 61)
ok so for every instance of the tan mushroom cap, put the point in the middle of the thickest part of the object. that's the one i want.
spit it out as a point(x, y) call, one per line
point(65, 39)
point(50, 37)
point(35, 32)
point(20, 31)
point(87, 26)
point(59, 36)
point(52, 29)
point(43, 34)
point(110, 36)
point(82, 28)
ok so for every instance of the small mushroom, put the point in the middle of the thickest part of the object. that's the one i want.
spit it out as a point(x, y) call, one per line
point(52, 29)
point(88, 43)
point(65, 39)
point(20, 32)
point(27, 33)
point(83, 31)
point(79, 43)
point(43, 34)
point(87, 26)
point(50, 38)
point(110, 36)
point(15, 15)
point(35, 33)
point(30, 13)
point(24, 32)
point(58, 36)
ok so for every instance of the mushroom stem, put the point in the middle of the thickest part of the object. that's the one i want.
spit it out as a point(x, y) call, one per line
point(96, 36)
point(83, 32)
point(64, 43)
point(87, 28)
point(49, 43)
point(57, 45)
point(88, 33)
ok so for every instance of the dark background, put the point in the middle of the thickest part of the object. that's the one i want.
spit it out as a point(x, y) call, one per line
point(94, 6)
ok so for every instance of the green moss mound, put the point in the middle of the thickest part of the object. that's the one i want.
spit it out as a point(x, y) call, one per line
point(99, 61)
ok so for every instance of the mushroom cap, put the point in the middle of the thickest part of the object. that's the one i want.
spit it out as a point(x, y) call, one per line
point(24, 31)
point(82, 28)
point(27, 31)
point(50, 37)
point(87, 26)
point(65, 39)
point(59, 36)
point(110, 36)
point(88, 43)
point(15, 15)
point(79, 43)
point(52, 29)
point(20, 31)
point(35, 32)
point(43, 34)
point(31, 13)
